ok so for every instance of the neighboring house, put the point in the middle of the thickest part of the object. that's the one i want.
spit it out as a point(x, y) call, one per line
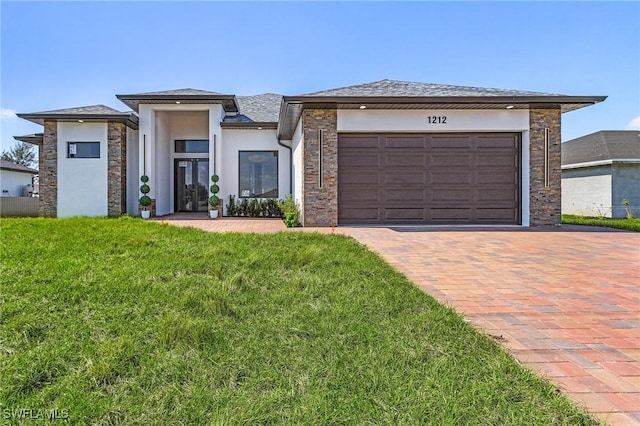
point(387, 152)
point(599, 171)
point(14, 178)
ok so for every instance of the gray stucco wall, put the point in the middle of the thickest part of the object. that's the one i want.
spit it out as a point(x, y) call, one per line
point(587, 191)
point(625, 185)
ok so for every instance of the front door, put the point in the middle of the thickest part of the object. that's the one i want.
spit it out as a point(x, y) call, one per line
point(191, 179)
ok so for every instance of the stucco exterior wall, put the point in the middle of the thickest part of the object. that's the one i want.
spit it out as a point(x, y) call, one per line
point(297, 170)
point(625, 185)
point(82, 182)
point(236, 140)
point(133, 172)
point(587, 191)
point(13, 182)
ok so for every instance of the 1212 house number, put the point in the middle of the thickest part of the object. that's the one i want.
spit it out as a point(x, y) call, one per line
point(437, 119)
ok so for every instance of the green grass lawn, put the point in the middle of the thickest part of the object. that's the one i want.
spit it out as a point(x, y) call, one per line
point(628, 224)
point(121, 321)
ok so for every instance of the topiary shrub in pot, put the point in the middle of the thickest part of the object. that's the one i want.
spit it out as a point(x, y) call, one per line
point(214, 200)
point(145, 201)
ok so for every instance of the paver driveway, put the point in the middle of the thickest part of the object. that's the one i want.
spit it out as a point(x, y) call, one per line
point(565, 302)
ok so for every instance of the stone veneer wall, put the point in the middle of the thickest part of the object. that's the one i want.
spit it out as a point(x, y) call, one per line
point(320, 204)
point(544, 203)
point(48, 175)
point(116, 169)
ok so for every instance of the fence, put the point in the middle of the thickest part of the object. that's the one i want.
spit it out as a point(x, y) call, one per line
point(19, 206)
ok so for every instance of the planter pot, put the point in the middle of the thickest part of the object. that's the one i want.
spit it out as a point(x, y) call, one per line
point(213, 214)
point(146, 214)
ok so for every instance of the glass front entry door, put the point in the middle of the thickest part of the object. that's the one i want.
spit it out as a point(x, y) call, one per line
point(191, 179)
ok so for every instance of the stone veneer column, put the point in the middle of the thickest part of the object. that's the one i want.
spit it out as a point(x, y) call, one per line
point(117, 169)
point(544, 203)
point(320, 204)
point(48, 175)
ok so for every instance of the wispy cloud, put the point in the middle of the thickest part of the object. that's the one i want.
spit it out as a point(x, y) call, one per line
point(8, 114)
point(634, 124)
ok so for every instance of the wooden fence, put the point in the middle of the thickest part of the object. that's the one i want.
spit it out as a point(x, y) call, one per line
point(19, 206)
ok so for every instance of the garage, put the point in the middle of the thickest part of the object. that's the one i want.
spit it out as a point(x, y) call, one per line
point(429, 178)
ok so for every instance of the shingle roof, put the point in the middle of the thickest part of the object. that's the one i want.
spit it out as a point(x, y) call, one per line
point(409, 88)
point(603, 146)
point(91, 109)
point(261, 108)
point(94, 113)
point(178, 92)
point(8, 165)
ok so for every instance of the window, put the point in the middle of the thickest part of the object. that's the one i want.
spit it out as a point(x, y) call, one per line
point(192, 146)
point(83, 149)
point(259, 174)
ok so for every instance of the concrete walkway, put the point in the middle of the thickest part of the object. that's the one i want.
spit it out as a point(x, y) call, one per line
point(565, 302)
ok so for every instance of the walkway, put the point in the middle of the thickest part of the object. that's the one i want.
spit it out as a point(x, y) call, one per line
point(565, 302)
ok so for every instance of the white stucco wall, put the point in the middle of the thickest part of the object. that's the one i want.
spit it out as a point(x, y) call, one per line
point(626, 185)
point(82, 182)
point(161, 125)
point(133, 172)
point(503, 120)
point(13, 182)
point(587, 191)
point(297, 144)
point(236, 140)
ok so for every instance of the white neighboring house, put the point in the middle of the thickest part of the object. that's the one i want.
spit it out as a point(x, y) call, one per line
point(14, 178)
point(599, 171)
point(387, 152)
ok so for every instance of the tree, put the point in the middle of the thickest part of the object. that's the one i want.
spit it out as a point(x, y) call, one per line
point(22, 153)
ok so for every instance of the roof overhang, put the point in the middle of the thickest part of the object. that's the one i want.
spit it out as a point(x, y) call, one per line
point(292, 106)
point(129, 119)
point(248, 125)
point(35, 139)
point(229, 102)
point(601, 163)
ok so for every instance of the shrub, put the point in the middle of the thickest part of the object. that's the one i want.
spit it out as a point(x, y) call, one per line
point(291, 211)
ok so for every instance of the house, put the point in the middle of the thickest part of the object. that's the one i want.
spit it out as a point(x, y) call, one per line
point(599, 171)
point(387, 152)
point(16, 180)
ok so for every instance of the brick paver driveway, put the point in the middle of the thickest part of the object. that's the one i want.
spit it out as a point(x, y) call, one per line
point(565, 302)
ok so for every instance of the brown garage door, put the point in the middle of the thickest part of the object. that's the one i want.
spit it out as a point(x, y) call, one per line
point(467, 178)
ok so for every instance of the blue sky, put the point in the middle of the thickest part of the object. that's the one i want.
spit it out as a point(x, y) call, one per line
point(65, 54)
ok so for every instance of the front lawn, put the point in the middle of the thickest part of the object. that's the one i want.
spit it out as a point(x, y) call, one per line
point(120, 321)
point(628, 224)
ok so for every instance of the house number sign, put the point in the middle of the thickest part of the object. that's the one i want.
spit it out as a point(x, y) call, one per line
point(437, 119)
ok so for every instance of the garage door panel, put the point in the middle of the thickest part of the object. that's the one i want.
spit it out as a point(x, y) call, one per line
point(496, 141)
point(357, 194)
point(450, 178)
point(405, 195)
point(404, 160)
point(460, 178)
point(450, 160)
point(497, 177)
point(405, 142)
point(403, 178)
point(448, 195)
point(364, 177)
point(496, 215)
point(494, 195)
point(358, 142)
point(359, 213)
point(414, 214)
point(451, 214)
point(450, 142)
point(496, 160)
point(363, 160)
